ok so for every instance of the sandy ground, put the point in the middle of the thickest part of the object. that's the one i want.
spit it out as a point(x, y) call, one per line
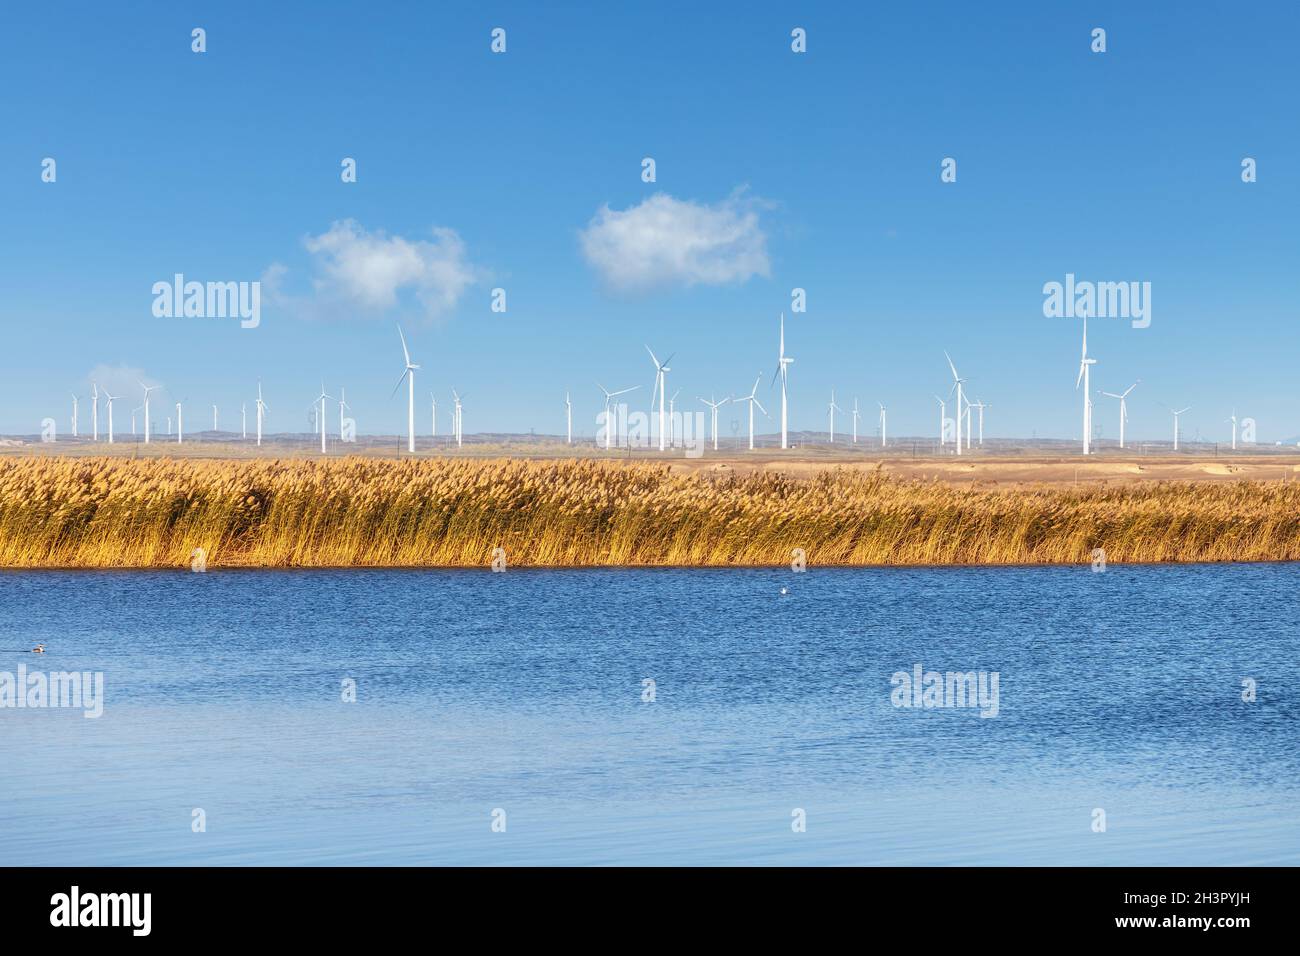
point(1012, 467)
point(1019, 471)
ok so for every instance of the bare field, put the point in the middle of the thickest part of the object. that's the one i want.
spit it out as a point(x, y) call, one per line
point(1026, 467)
point(1024, 471)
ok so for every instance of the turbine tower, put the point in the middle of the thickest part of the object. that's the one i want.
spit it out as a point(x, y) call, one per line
point(568, 419)
point(609, 423)
point(262, 409)
point(321, 417)
point(74, 415)
point(884, 423)
point(981, 406)
point(180, 424)
point(713, 409)
point(943, 419)
point(147, 390)
point(108, 400)
point(94, 410)
point(408, 373)
point(957, 383)
point(752, 398)
point(831, 410)
point(1176, 414)
point(661, 369)
point(343, 406)
point(783, 362)
point(855, 420)
point(1085, 365)
point(1123, 409)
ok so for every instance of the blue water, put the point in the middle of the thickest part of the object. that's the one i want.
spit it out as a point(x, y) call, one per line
point(523, 692)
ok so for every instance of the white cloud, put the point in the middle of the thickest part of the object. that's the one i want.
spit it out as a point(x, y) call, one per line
point(667, 241)
point(371, 270)
point(121, 381)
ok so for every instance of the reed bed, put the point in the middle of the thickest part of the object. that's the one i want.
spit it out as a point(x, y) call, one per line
point(366, 512)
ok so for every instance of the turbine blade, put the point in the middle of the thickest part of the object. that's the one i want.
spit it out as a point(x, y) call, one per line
point(405, 353)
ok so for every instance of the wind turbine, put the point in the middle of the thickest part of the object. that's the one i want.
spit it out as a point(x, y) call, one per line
point(1232, 418)
point(1085, 364)
point(713, 409)
point(568, 418)
point(661, 369)
point(831, 409)
point(94, 410)
point(884, 422)
point(981, 406)
point(957, 383)
point(456, 416)
point(74, 415)
point(608, 395)
point(109, 399)
point(782, 364)
point(855, 420)
point(343, 405)
point(1123, 409)
point(408, 373)
point(1176, 414)
point(943, 419)
point(752, 398)
point(243, 420)
point(321, 417)
point(262, 409)
point(433, 420)
point(214, 418)
point(180, 424)
point(672, 421)
point(147, 390)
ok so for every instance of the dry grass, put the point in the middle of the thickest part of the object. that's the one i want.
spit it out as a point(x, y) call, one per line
point(113, 512)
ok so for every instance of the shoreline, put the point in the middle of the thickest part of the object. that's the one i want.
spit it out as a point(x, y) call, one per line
point(286, 568)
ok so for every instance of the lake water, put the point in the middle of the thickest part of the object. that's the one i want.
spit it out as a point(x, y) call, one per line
point(523, 692)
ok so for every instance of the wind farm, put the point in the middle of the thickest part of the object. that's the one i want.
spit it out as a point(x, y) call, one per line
point(619, 427)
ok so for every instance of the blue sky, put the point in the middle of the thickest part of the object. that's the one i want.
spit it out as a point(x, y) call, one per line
point(818, 170)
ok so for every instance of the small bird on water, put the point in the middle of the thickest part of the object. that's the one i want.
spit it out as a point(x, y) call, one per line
point(38, 649)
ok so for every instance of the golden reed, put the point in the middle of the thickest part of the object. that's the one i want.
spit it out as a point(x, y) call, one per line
point(152, 513)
